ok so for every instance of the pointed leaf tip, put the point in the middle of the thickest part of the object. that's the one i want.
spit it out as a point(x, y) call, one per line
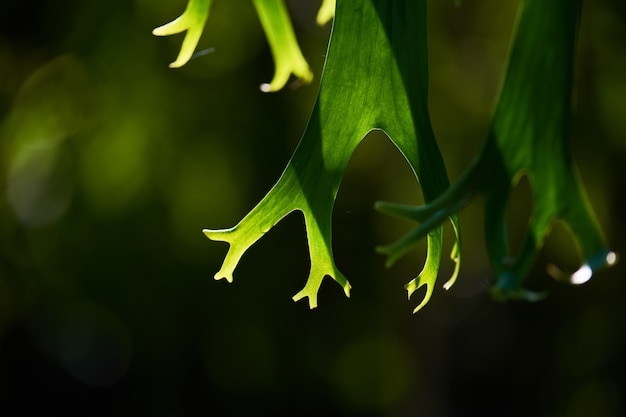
point(326, 12)
point(302, 294)
point(346, 289)
point(220, 275)
point(192, 20)
point(281, 36)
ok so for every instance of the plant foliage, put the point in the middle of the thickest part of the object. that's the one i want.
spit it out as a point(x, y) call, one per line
point(528, 136)
point(376, 78)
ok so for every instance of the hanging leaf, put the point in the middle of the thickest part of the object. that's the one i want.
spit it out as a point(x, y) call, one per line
point(287, 54)
point(276, 24)
point(192, 20)
point(371, 80)
point(326, 12)
point(528, 136)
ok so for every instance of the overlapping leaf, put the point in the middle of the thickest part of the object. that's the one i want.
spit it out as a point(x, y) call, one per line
point(275, 20)
point(528, 136)
point(371, 80)
point(192, 20)
point(375, 77)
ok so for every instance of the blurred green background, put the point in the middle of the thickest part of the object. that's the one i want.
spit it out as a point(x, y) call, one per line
point(111, 164)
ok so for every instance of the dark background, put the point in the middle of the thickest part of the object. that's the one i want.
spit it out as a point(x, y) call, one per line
point(111, 164)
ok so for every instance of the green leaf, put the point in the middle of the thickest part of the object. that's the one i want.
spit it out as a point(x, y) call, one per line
point(276, 24)
point(192, 20)
point(287, 54)
point(528, 136)
point(326, 12)
point(371, 80)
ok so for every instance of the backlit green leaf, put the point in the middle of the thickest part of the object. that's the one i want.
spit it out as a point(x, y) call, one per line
point(528, 136)
point(192, 20)
point(287, 55)
point(375, 77)
point(326, 12)
point(276, 24)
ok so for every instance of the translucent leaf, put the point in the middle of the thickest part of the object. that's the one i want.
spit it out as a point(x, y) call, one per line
point(276, 23)
point(371, 80)
point(528, 134)
point(192, 20)
point(326, 12)
point(287, 54)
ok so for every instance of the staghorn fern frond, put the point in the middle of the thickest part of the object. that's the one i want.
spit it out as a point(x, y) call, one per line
point(528, 135)
point(192, 20)
point(375, 78)
point(326, 12)
point(278, 29)
point(370, 81)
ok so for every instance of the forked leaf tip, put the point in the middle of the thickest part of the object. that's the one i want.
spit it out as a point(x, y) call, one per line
point(220, 275)
point(392, 209)
point(419, 307)
point(302, 294)
point(449, 283)
point(346, 290)
point(391, 261)
point(389, 252)
point(166, 30)
point(326, 12)
point(586, 270)
point(383, 250)
point(412, 288)
point(456, 257)
point(218, 235)
point(209, 233)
